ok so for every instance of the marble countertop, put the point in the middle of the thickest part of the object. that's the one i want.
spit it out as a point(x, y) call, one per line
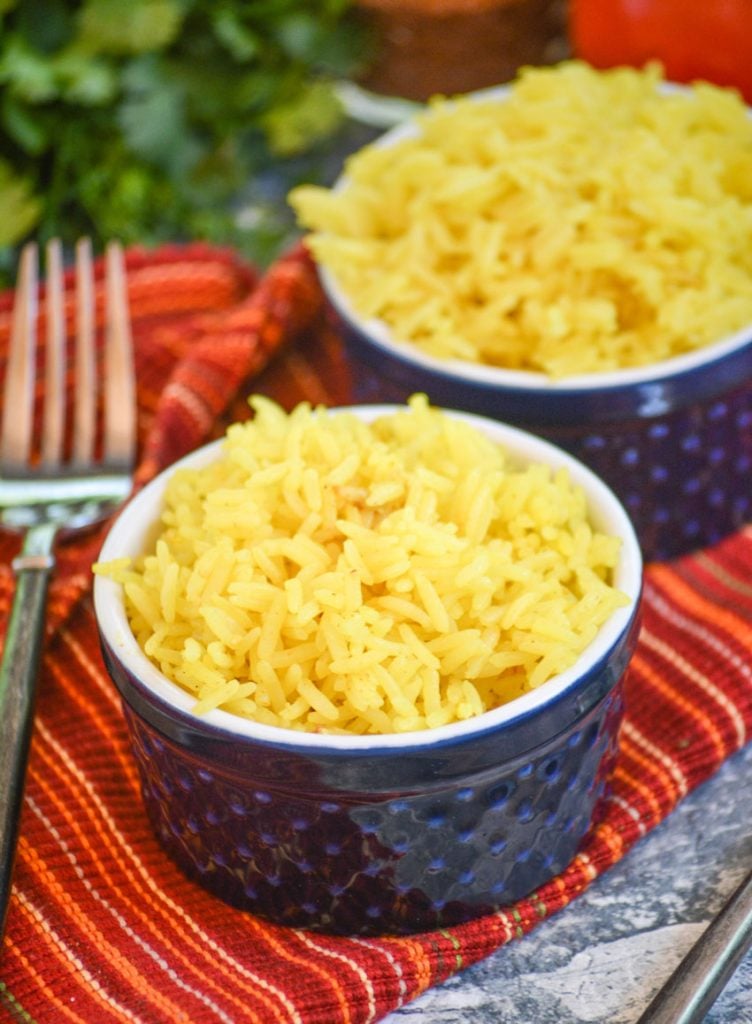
point(604, 957)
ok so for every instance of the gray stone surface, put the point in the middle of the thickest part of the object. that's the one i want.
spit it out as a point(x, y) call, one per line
point(603, 957)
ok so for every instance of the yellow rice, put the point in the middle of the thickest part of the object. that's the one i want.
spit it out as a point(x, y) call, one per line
point(331, 575)
point(588, 222)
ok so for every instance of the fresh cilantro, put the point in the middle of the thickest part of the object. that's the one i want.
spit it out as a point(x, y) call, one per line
point(18, 208)
point(153, 119)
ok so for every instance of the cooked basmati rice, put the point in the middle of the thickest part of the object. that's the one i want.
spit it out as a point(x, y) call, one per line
point(587, 222)
point(332, 575)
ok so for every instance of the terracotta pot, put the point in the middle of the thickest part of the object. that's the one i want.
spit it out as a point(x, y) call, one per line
point(425, 47)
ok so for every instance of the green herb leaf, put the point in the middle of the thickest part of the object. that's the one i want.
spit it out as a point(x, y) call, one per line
point(240, 41)
point(87, 80)
point(129, 26)
point(313, 114)
point(152, 117)
point(26, 73)
point(25, 125)
point(19, 208)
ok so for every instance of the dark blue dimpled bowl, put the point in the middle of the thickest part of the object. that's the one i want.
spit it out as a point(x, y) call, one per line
point(377, 834)
point(673, 440)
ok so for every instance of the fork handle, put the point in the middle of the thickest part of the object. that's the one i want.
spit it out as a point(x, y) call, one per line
point(18, 679)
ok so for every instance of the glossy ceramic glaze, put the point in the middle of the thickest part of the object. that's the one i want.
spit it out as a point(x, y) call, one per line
point(379, 834)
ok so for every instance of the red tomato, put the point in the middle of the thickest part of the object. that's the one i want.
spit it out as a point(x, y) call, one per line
point(693, 39)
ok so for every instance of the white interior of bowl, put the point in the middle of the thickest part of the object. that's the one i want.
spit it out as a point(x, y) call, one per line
point(132, 533)
point(381, 334)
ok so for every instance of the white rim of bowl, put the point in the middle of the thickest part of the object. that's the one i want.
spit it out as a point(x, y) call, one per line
point(379, 332)
point(381, 335)
point(130, 532)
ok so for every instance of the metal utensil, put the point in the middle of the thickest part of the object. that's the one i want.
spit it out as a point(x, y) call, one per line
point(700, 977)
point(43, 489)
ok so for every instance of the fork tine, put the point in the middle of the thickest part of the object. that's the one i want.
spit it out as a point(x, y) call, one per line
point(119, 379)
point(54, 386)
point(18, 396)
point(40, 505)
point(84, 421)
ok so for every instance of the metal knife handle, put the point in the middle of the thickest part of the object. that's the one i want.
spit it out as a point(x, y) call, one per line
point(700, 977)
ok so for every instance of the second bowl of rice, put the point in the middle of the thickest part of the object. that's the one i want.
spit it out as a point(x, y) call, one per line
point(571, 254)
point(371, 661)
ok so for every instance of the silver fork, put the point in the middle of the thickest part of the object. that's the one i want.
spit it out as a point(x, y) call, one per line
point(46, 491)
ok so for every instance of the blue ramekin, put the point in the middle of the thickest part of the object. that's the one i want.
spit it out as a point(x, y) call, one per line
point(377, 834)
point(673, 440)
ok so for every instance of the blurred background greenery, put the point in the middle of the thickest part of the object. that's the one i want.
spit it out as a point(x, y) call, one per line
point(165, 120)
point(153, 120)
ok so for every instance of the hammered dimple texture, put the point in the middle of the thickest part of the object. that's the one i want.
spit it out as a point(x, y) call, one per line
point(683, 477)
point(378, 863)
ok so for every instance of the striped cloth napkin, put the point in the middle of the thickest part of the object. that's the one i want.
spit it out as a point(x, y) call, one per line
point(102, 927)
